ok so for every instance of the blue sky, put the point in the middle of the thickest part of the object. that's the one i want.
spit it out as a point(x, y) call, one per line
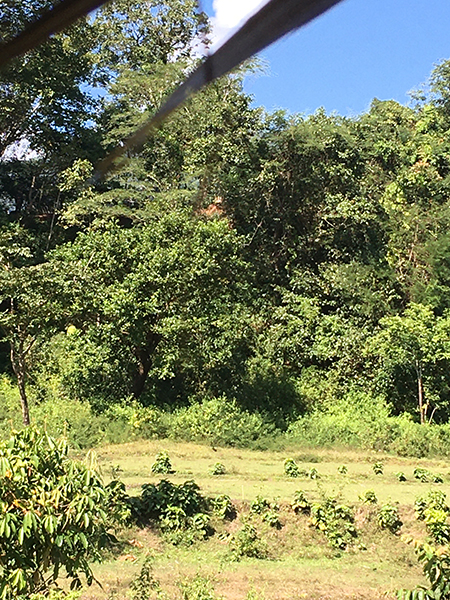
point(359, 50)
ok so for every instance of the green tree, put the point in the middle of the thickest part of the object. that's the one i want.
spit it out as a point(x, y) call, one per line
point(166, 298)
point(52, 515)
point(416, 344)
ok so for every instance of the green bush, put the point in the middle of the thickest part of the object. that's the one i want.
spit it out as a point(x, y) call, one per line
point(301, 503)
point(363, 421)
point(52, 515)
point(217, 469)
point(197, 588)
point(156, 499)
point(246, 543)
point(223, 507)
point(290, 468)
point(162, 464)
point(436, 568)
point(259, 505)
point(219, 422)
point(378, 468)
point(433, 509)
point(335, 520)
point(388, 518)
point(434, 499)
point(368, 497)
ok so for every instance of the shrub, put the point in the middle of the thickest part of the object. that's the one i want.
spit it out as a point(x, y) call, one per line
point(436, 568)
point(142, 586)
point(247, 543)
point(272, 517)
point(217, 469)
point(118, 503)
point(157, 499)
point(363, 421)
point(335, 520)
point(378, 468)
point(259, 505)
point(162, 464)
point(223, 507)
point(426, 476)
point(290, 468)
point(343, 470)
point(219, 422)
point(313, 473)
point(51, 514)
point(434, 499)
point(197, 588)
point(301, 503)
point(368, 497)
point(400, 476)
point(437, 525)
point(388, 518)
point(432, 508)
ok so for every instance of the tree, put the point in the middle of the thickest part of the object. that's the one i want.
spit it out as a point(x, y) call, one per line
point(29, 311)
point(165, 299)
point(53, 515)
point(418, 343)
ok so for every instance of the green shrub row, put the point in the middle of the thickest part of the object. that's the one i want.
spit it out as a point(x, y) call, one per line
point(358, 421)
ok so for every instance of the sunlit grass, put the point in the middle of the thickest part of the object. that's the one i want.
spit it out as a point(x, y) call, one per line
point(301, 564)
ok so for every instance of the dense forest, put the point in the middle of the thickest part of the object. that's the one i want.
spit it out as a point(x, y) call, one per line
point(291, 268)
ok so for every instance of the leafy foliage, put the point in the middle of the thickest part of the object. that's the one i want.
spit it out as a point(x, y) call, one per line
point(388, 518)
point(162, 464)
point(52, 515)
point(335, 520)
point(218, 469)
point(436, 568)
point(246, 543)
point(301, 503)
point(290, 468)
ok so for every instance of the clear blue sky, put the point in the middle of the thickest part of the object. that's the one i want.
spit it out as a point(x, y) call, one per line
point(358, 50)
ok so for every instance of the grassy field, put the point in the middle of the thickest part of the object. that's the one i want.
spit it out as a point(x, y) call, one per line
point(300, 563)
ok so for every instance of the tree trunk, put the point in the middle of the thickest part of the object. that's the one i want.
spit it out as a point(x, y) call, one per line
point(420, 391)
point(19, 368)
point(144, 356)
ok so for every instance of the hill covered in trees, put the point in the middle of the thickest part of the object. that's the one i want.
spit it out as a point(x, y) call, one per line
point(286, 266)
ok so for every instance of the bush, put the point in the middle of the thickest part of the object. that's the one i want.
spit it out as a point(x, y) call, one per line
point(247, 543)
point(219, 422)
point(259, 505)
point(432, 508)
point(223, 507)
point(335, 520)
point(301, 503)
point(426, 476)
point(363, 421)
point(388, 518)
point(197, 588)
point(378, 468)
point(368, 497)
point(436, 567)
point(51, 515)
point(290, 468)
point(217, 469)
point(162, 464)
point(157, 499)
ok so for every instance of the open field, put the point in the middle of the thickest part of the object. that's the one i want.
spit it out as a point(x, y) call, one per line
point(300, 562)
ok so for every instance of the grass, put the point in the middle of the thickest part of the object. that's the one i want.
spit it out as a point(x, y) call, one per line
point(300, 562)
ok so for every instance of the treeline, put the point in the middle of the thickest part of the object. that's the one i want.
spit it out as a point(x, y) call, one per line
point(293, 265)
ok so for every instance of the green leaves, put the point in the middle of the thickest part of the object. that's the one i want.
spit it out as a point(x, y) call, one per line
point(51, 514)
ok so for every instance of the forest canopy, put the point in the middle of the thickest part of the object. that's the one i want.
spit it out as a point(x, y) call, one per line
point(286, 263)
